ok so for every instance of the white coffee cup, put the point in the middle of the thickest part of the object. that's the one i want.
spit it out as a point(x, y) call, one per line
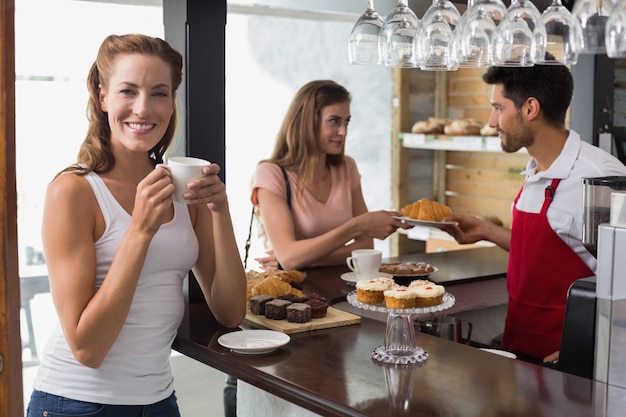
point(365, 263)
point(184, 169)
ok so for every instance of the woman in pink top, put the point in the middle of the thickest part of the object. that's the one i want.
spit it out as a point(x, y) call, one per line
point(325, 217)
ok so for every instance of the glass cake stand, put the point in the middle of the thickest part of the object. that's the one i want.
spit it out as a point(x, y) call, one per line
point(400, 346)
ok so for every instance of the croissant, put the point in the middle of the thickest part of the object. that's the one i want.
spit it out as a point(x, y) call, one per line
point(274, 287)
point(425, 209)
point(292, 276)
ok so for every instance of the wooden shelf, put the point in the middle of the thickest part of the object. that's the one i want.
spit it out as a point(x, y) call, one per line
point(452, 143)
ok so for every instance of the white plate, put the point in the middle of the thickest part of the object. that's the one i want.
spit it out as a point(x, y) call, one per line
point(500, 352)
point(425, 223)
point(253, 342)
point(351, 276)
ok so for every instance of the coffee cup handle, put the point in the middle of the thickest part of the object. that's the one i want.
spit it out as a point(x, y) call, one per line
point(164, 166)
point(352, 264)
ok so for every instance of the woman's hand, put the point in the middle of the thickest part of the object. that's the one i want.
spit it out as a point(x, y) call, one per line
point(380, 224)
point(269, 262)
point(153, 200)
point(209, 190)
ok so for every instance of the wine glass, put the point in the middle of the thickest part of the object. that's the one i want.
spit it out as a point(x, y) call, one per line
point(593, 16)
point(397, 36)
point(563, 34)
point(616, 32)
point(521, 37)
point(437, 37)
point(476, 31)
point(363, 43)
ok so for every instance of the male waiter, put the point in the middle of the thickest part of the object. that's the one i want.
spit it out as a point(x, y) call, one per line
point(546, 254)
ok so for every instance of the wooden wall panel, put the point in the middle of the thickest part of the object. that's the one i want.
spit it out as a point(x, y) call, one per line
point(484, 183)
point(468, 95)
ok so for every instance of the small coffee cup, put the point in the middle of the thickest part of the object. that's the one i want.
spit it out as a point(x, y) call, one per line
point(184, 169)
point(365, 263)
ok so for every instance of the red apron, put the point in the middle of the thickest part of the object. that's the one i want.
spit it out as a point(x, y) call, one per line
point(541, 269)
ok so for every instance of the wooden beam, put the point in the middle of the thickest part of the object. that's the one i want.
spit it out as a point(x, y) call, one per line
point(400, 116)
point(10, 340)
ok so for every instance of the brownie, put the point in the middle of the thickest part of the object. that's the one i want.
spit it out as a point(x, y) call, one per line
point(291, 297)
point(276, 309)
point(257, 303)
point(298, 313)
point(319, 307)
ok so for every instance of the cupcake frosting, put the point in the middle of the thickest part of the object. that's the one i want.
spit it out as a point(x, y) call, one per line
point(428, 290)
point(375, 284)
point(402, 293)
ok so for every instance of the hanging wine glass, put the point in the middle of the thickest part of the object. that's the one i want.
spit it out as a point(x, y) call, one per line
point(363, 43)
point(437, 37)
point(593, 16)
point(397, 36)
point(476, 33)
point(521, 37)
point(563, 34)
point(616, 32)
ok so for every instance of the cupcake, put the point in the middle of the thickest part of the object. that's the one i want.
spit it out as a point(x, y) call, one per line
point(400, 297)
point(428, 295)
point(372, 291)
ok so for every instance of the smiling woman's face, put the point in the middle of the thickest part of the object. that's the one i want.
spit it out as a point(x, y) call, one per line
point(139, 101)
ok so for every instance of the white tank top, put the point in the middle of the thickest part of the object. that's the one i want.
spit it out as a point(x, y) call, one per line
point(136, 371)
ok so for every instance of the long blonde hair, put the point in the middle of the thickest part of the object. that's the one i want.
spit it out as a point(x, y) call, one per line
point(95, 152)
point(296, 145)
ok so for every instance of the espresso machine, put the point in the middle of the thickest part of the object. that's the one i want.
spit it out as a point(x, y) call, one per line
point(610, 340)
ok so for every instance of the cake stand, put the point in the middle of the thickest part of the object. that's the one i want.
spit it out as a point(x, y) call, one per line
point(400, 346)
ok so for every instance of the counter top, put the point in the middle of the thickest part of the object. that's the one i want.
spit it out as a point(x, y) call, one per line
point(456, 380)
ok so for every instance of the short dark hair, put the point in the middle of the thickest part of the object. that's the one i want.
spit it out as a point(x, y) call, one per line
point(551, 85)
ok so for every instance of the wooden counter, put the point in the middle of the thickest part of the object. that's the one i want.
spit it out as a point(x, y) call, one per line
point(331, 371)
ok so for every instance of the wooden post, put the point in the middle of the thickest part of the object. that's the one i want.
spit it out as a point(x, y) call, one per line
point(400, 116)
point(11, 403)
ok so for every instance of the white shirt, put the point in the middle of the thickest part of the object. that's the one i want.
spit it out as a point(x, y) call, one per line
point(577, 160)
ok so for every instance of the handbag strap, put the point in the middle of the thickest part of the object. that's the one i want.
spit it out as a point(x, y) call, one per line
point(248, 240)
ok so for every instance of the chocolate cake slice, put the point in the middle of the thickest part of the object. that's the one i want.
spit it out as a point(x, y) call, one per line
point(299, 313)
point(276, 309)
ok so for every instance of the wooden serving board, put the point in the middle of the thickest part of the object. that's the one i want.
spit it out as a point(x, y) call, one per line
point(334, 318)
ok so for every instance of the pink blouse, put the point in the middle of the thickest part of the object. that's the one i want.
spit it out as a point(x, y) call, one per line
point(312, 217)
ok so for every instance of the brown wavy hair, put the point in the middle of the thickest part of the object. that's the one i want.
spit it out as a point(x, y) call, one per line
point(95, 152)
point(296, 143)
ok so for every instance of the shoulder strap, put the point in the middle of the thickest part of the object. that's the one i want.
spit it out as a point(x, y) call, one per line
point(282, 168)
point(247, 246)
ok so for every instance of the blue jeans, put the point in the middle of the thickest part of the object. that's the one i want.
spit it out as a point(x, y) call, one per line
point(43, 404)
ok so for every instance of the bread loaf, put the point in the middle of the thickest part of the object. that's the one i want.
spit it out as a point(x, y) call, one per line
point(488, 130)
point(461, 127)
point(425, 209)
point(433, 125)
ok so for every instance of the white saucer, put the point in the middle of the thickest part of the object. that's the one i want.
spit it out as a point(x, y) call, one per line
point(351, 276)
point(253, 342)
point(501, 353)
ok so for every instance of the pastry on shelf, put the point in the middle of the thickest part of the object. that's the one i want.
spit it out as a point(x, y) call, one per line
point(463, 127)
point(433, 125)
point(487, 130)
